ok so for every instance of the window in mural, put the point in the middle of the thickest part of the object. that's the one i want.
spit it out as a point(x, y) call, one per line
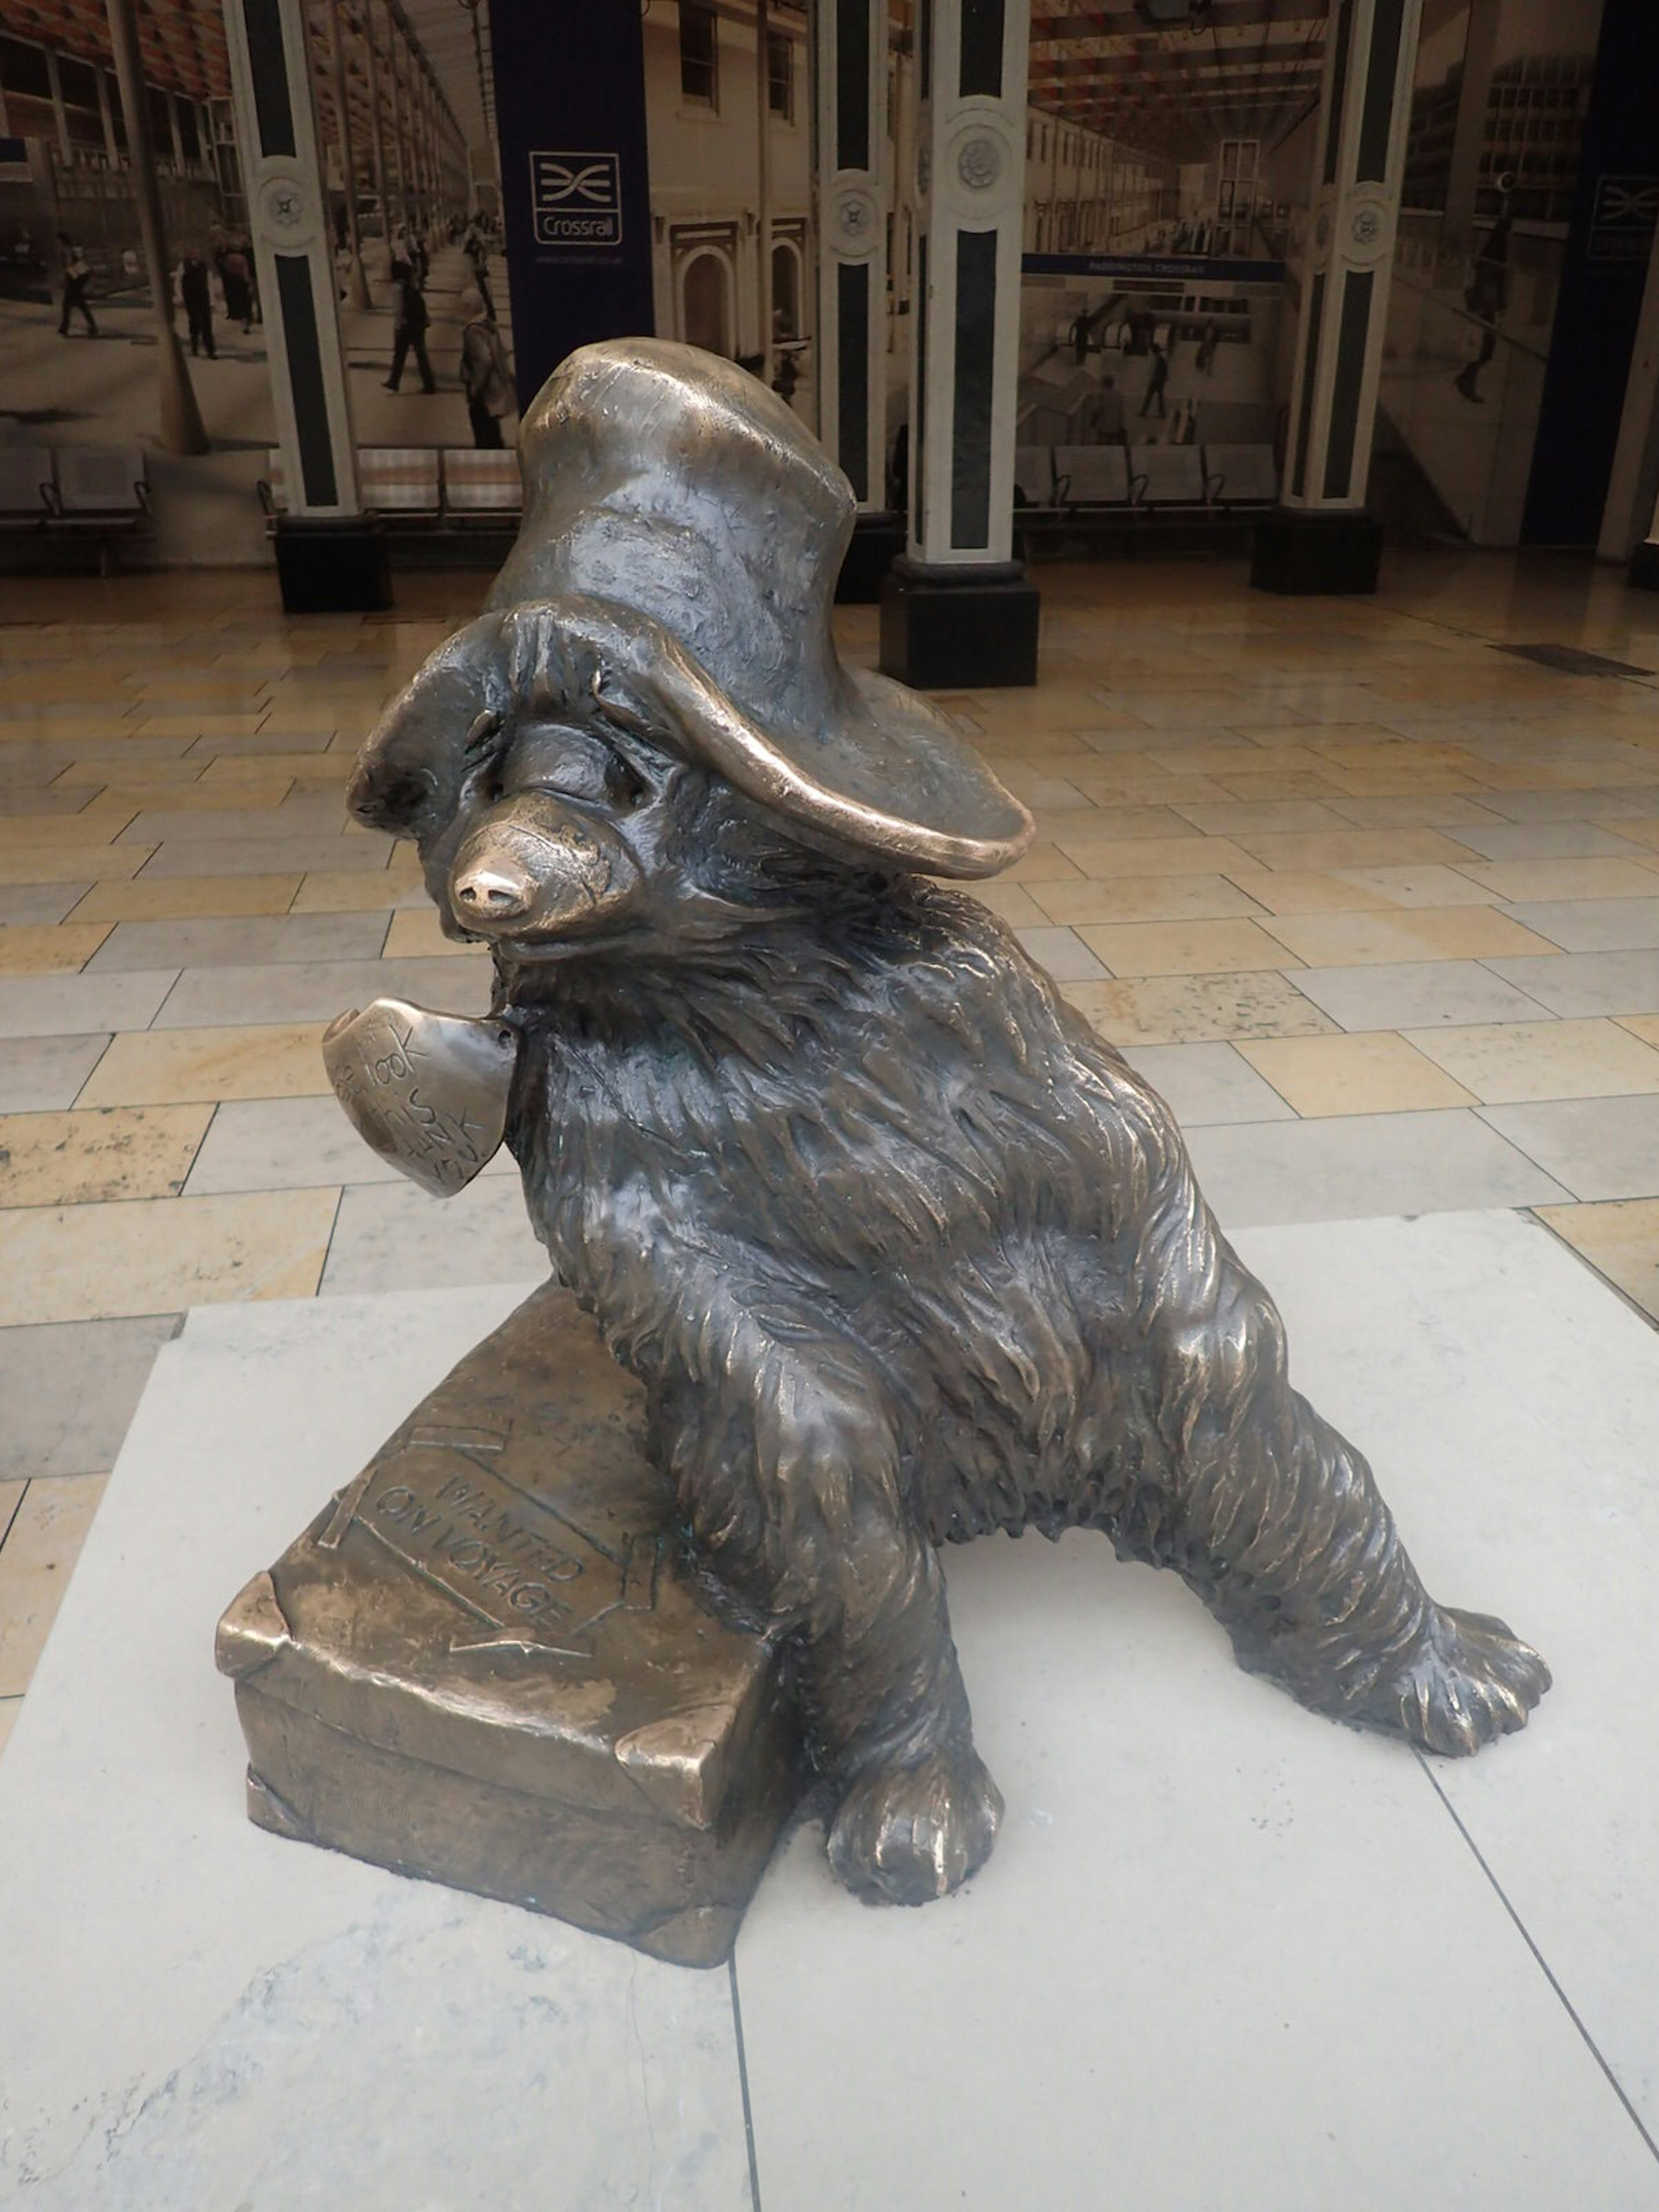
point(699, 54)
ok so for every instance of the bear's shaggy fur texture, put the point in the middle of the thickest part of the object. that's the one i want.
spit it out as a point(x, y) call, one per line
point(901, 1252)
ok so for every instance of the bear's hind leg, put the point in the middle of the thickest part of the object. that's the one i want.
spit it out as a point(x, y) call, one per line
point(1275, 1521)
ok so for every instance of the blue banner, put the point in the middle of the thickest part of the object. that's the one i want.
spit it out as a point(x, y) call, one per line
point(575, 195)
point(1186, 268)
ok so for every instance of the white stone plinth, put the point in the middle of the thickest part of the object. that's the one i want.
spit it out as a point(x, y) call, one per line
point(1226, 1954)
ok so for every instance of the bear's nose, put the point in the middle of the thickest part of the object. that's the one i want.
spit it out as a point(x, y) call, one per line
point(494, 891)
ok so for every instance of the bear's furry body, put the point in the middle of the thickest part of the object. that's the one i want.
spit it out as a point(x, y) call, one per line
point(901, 1251)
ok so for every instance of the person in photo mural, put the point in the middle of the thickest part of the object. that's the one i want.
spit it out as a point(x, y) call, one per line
point(1157, 376)
point(1485, 296)
point(236, 276)
point(486, 376)
point(196, 298)
point(77, 275)
point(409, 331)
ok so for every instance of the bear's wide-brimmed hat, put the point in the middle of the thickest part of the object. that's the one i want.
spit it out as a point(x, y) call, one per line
point(681, 522)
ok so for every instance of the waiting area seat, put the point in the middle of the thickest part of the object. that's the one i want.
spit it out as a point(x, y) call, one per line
point(479, 484)
point(401, 480)
point(1241, 476)
point(96, 492)
point(1176, 497)
point(1091, 476)
point(1034, 475)
point(26, 486)
point(1166, 476)
point(424, 489)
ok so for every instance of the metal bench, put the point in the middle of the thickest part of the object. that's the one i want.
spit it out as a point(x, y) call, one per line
point(481, 486)
point(1241, 476)
point(1092, 477)
point(1034, 475)
point(26, 485)
point(425, 488)
point(99, 492)
point(1167, 475)
point(401, 481)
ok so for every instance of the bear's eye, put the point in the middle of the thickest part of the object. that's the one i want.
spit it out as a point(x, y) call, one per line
point(483, 753)
point(570, 763)
point(625, 786)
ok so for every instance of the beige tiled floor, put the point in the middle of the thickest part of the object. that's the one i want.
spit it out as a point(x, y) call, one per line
point(1375, 905)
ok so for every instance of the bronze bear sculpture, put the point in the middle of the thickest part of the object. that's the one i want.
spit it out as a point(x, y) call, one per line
point(900, 1251)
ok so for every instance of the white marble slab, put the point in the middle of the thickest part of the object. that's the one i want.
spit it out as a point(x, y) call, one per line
point(1227, 1954)
point(316, 990)
point(40, 1072)
point(1353, 1165)
point(395, 1235)
point(243, 940)
point(1510, 1404)
point(299, 1144)
point(195, 2016)
point(72, 1005)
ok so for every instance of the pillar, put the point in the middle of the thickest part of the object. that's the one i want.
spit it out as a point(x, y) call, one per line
point(106, 117)
point(60, 112)
point(355, 280)
point(764, 189)
point(855, 199)
point(420, 110)
point(434, 144)
point(957, 608)
point(175, 133)
point(1322, 537)
point(1630, 520)
point(376, 135)
point(327, 555)
point(182, 429)
point(1469, 132)
point(399, 153)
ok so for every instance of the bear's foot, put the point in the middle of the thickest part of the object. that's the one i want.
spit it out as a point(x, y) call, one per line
point(1467, 1681)
point(907, 1834)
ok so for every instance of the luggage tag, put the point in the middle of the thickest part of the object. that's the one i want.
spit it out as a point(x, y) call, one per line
point(427, 1091)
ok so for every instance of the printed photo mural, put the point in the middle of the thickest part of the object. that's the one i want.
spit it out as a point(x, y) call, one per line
point(403, 100)
point(1168, 149)
point(1498, 110)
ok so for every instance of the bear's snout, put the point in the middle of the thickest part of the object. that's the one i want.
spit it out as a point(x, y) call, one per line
point(536, 868)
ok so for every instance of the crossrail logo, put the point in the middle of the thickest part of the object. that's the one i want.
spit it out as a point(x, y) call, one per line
point(576, 199)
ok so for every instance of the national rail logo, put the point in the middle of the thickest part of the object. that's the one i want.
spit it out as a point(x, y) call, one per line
point(576, 199)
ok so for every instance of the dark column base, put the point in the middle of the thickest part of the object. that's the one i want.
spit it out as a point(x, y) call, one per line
point(944, 629)
point(878, 542)
point(1324, 549)
point(1643, 569)
point(328, 567)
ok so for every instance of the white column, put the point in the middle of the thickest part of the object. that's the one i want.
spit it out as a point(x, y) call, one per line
point(1371, 51)
point(278, 142)
point(175, 133)
point(971, 81)
point(854, 197)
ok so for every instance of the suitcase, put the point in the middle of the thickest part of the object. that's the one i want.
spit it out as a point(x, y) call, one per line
point(485, 1662)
